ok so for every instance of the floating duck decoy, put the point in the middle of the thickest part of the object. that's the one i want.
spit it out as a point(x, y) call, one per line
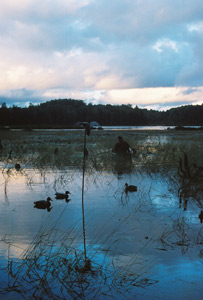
point(43, 204)
point(17, 167)
point(62, 195)
point(130, 188)
point(201, 216)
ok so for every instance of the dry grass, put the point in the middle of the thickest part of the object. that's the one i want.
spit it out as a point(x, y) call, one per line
point(65, 148)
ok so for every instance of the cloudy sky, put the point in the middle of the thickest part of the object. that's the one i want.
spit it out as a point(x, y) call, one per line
point(141, 52)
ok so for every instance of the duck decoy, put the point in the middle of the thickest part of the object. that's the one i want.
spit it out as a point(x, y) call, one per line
point(17, 167)
point(43, 204)
point(201, 216)
point(62, 195)
point(130, 188)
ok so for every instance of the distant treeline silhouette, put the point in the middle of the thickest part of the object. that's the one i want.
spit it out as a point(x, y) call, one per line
point(64, 113)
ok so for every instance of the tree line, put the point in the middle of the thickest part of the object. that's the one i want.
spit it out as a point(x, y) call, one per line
point(64, 113)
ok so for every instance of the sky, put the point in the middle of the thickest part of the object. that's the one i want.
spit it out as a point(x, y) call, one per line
point(147, 53)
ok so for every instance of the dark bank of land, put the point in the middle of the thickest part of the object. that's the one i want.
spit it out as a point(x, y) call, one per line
point(65, 113)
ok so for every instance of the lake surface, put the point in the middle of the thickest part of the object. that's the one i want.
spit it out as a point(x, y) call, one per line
point(138, 127)
point(142, 245)
point(115, 128)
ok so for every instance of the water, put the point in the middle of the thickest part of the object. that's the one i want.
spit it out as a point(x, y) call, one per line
point(112, 128)
point(156, 127)
point(138, 127)
point(142, 245)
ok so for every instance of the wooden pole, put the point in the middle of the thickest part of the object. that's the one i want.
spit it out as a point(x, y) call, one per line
point(83, 186)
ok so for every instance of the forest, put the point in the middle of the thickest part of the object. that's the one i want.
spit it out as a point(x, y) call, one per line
point(64, 113)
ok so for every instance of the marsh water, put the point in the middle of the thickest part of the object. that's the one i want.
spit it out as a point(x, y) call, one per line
point(112, 245)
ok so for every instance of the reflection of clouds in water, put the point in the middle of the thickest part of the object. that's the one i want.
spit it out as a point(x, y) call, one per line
point(161, 195)
point(17, 250)
point(64, 262)
point(10, 251)
point(187, 272)
point(127, 229)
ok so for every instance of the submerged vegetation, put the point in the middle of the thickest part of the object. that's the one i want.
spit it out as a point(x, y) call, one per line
point(112, 250)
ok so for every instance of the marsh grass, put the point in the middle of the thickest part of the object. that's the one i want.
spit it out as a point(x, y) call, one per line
point(39, 148)
point(57, 269)
point(156, 154)
point(54, 265)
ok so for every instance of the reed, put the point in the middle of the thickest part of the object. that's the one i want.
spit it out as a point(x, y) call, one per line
point(73, 264)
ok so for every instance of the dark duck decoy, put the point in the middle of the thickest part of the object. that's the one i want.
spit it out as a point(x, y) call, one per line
point(43, 204)
point(17, 167)
point(201, 216)
point(130, 188)
point(62, 195)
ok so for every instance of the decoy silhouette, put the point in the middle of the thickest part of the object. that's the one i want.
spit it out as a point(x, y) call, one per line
point(201, 216)
point(130, 188)
point(43, 204)
point(17, 167)
point(62, 195)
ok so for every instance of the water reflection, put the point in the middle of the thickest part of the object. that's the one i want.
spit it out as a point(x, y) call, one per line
point(68, 274)
point(113, 246)
point(191, 188)
point(114, 236)
point(122, 164)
